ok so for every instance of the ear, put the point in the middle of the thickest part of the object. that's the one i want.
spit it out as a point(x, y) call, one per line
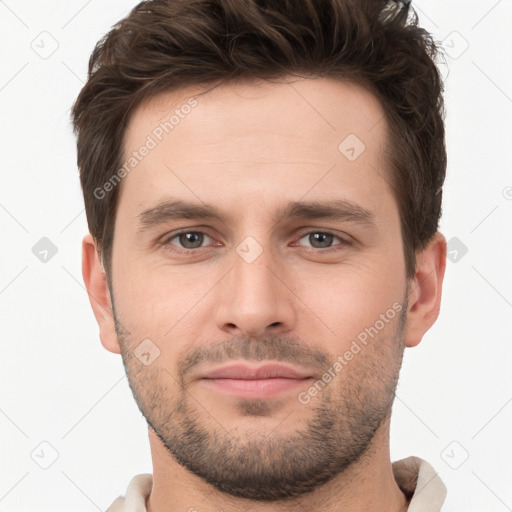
point(99, 295)
point(425, 290)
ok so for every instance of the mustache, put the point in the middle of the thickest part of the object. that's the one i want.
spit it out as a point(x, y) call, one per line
point(275, 348)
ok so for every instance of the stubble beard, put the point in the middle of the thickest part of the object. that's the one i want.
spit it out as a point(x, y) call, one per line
point(267, 465)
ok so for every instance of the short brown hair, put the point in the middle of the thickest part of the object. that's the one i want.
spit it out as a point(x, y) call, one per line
point(166, 45)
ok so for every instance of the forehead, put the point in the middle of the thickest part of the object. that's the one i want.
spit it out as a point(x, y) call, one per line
point(255, 137)
point(322, 103)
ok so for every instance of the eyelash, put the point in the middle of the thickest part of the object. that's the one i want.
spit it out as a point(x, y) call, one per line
point(167, 246)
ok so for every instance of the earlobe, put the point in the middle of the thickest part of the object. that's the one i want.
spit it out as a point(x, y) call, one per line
point(99, 295)
point(425, 290)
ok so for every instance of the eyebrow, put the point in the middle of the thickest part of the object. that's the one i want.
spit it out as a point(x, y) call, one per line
point(340, 210)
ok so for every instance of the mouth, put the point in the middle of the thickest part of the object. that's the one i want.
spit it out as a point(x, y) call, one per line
point(260, 382)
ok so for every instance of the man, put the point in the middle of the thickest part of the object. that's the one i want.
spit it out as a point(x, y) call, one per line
point(262, 181)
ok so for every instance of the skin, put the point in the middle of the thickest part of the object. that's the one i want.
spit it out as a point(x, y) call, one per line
point(249, 148)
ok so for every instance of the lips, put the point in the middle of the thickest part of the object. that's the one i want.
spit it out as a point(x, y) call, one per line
point(246, 372)
point(255, 382)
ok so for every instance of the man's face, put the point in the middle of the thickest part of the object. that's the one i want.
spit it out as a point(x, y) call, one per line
point(257, 287)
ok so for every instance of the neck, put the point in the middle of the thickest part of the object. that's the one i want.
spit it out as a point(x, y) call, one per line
point(367, 485)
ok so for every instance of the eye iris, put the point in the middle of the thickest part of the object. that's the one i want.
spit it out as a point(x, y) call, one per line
point(195, 238)
point(325, 239)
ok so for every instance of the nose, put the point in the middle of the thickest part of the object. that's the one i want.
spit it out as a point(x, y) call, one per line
point(255, 298)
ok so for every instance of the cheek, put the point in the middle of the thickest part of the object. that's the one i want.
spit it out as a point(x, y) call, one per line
point(159, 302)
point(348, 300)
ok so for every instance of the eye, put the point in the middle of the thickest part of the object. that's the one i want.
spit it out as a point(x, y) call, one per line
point(323, 240)
point(187, 240)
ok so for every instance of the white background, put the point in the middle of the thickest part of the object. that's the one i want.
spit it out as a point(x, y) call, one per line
point(59, 386)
